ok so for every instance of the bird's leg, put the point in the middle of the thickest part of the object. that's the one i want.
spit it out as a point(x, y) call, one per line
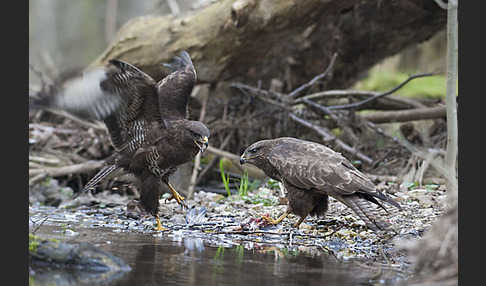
point(277, 221)
point(297, 224)
point(152, 161)
point(159, 225)
point(176, 196)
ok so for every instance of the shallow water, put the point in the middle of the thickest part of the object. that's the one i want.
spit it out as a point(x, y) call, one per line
point(169, 258)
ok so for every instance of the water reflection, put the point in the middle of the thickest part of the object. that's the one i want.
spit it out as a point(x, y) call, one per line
point(164, 260)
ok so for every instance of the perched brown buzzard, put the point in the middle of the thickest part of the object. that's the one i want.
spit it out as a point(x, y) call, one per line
point(147, 121)
point(310, 172)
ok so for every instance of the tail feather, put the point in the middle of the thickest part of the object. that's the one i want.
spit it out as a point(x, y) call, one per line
point(372, 195)
point(366, 211)
point(101, 175)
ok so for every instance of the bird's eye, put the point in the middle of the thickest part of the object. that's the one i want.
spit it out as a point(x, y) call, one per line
point(253, 150)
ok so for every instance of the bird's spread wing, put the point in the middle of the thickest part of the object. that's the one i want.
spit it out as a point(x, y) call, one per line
point(308, 165)
point(175, 89)
point(138, 103)
point(101, 91)
point(116, 93)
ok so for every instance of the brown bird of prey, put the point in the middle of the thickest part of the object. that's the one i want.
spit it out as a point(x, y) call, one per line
point(310, 173)
point(147, 122)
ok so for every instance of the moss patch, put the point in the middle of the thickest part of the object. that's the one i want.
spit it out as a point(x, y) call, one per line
point(34, 242)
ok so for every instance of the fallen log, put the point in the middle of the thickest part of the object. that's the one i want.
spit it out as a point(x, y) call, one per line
point(406, 115)
point(287, 39)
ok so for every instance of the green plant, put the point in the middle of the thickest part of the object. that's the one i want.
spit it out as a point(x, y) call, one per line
point(257, 199)
point(33, 243)
point(431, 187)
point(219, 253)
point(246, 185)
point(224, 177)
point(273, 184)
point(412, 185)
point(240, 250)
point(243, 189)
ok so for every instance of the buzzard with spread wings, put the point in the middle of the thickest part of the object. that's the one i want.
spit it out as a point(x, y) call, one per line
point(147, 122)
point(311, 172)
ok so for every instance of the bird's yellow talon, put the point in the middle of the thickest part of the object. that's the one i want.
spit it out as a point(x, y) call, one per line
point(277, 221)
point(159, 226)
point(176, 196)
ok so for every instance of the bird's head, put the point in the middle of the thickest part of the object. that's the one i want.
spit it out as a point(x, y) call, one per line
point(199, 134)
point(255, 152)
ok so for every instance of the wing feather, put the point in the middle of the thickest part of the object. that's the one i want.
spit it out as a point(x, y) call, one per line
point(309, 165)
point(175, 89)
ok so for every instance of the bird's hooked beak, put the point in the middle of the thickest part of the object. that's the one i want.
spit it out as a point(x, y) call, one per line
point(242, 159)
point(202, 143)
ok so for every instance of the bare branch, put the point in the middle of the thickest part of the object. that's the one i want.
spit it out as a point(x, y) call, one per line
point(95, 126)
point(346, 93)
point(216, 158)
point(405, 115)
point(252, 171)
point(327, 136)
point(452, 51)
point(441, 4)
point(360, 103)
point(298, 90)
point(265, 95)
point(395, 179)
point(197, 159)
point(85, 167)
point(324, 110)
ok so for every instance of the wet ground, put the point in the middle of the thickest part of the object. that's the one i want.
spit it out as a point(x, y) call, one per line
point(162, 260)
point(221, 241)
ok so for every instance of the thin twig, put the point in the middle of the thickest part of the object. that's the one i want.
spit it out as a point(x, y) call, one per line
point(39, 225)
point(96, 126)
point(197, 160)
point(298, 90)
point(216, 158)
point(327, 136)
point(51, 129)
point(87, 166)
point(360, 103)
point(326, 111)
point(36, 178)
point(328, 94)
point(437, 163)
point(264, 95)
